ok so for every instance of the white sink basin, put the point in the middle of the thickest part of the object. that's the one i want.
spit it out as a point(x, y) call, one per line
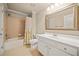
point(72, 40)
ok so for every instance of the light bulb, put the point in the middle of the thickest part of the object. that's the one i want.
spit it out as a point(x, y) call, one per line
point(56, 4)
point(48, 9)
point(61, 3)
point(52, 6)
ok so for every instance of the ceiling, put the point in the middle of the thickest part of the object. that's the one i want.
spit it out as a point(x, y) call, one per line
point(27, 7)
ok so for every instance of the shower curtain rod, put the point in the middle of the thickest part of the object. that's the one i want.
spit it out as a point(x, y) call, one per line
point(17, 12)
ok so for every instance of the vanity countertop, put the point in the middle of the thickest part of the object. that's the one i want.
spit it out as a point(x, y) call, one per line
point(66, 40)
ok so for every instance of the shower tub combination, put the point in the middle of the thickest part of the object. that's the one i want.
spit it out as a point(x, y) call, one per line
point(13, 43)
point(10, 44)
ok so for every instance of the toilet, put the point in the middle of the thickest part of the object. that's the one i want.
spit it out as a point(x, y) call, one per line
point(34, 42)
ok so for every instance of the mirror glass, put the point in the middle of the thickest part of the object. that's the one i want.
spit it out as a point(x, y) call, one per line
point(60, 20)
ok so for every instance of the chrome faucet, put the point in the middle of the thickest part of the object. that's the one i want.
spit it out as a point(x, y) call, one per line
point(54, 34)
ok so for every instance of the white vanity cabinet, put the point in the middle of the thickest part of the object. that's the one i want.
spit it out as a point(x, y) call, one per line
point(41, 47)
point(51, 47)
point(56, 52)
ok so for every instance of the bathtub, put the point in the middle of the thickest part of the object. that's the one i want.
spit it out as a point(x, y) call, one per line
point(13, 43)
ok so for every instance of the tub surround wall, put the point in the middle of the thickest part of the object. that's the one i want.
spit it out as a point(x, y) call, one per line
point(15, 25)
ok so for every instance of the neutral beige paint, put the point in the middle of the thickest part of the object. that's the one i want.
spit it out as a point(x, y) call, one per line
point(15, 26)
point(33, 22)
point(40, 22)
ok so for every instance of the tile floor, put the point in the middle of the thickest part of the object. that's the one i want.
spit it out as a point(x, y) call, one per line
point(22, 51)
point(14, 49)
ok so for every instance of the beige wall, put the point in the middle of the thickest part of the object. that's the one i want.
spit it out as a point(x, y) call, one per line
point(15, 26)
point(70, 32)
point(33, 22)
point(40, 22)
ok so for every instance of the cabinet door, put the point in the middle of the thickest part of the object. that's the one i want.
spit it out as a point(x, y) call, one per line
point(42, 47)
point(56, 52)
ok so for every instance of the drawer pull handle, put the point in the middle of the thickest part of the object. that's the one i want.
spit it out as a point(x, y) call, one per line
point(65, 48)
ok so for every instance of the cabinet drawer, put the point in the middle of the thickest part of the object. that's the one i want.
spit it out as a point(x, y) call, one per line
point(68, 49)
point(42, 47)
point(56, 52)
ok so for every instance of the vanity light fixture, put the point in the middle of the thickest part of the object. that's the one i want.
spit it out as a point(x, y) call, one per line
point(48, 8)
point(56, 4)
point(53, 6)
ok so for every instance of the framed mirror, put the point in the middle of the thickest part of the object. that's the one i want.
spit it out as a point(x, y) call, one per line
point(61, 20)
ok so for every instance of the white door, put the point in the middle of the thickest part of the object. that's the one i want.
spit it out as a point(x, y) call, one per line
point(1, 28)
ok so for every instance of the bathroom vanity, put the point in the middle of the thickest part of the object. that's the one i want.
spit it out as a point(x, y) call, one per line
point(58, 45)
